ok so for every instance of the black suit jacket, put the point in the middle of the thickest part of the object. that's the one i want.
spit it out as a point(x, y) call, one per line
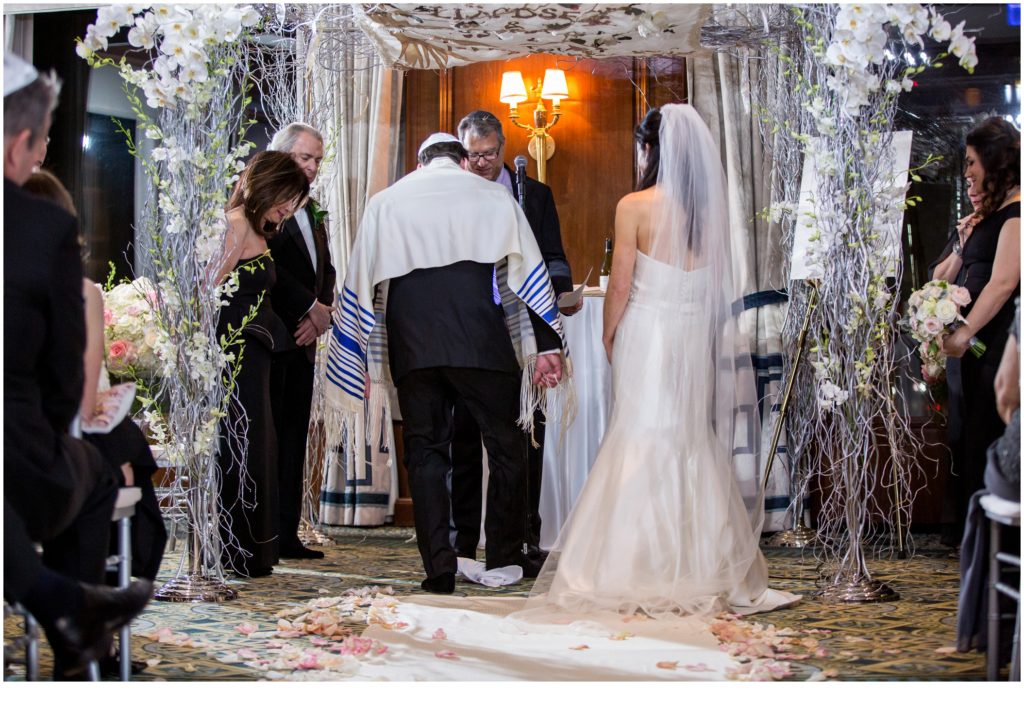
point(447, 317)
point(543, 217)
point(298, 283)
point(44, 340)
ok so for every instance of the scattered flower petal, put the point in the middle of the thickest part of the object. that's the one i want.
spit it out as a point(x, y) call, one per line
point(446, 655)
point(667, 664)
point(247, 628)
point(439, 634)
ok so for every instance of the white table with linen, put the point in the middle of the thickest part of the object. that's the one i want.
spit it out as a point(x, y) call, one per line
point(568, 457)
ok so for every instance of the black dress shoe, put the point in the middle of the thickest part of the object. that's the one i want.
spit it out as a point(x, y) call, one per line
point(535, 553)
point(110, 666)
point(301, 552)
point(441, 584)
point(86, 637)
point(530, 566)
point(254, 572)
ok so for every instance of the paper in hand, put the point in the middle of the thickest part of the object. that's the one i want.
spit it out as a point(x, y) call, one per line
point(571, 299)
point(112, 407)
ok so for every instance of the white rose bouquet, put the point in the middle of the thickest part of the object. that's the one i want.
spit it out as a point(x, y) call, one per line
point(130, 332)
point(932, 311)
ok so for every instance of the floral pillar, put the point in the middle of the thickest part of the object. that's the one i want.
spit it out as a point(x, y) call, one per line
point(847, 75)
point(194, 76)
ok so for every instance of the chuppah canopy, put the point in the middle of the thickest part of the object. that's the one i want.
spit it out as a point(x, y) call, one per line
point(410, 36)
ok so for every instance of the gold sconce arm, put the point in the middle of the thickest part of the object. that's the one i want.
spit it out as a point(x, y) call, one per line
point(541, 146)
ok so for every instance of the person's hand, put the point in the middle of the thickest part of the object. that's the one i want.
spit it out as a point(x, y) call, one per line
point(608, 341)
point(571, 310)
point(548, 371)
point(1007, 384)
point(366, 385)
point(129, 474)
point(306, 333)
point(956, 344)
point(320, 315)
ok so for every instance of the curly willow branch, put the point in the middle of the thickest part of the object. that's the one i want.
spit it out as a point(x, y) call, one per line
point(861, 456)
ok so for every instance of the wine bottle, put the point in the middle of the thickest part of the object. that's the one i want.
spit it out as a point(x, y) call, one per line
point(606, 264)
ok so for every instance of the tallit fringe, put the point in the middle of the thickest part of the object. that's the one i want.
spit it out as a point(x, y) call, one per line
point(379, 404)
point(341, 427)
point(533, 397)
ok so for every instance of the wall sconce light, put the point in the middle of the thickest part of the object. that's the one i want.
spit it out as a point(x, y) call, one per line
point(513, 91)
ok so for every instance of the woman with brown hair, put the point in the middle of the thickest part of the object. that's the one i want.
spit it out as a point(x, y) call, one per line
point(269, 191)
point(983, 256)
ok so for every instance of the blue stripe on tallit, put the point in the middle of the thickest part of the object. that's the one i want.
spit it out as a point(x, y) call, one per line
point(347, 359)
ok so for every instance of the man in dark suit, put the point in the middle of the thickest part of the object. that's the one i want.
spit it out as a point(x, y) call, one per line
point(302, 296)
point(57, 490)
point(448, 340)
point(481, 135)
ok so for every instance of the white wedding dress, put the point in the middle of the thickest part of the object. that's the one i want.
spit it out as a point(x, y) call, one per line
point(660, 525)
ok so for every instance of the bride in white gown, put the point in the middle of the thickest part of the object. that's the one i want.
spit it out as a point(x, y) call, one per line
point(660, 525)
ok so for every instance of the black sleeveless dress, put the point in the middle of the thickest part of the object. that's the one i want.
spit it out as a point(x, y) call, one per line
point(249, 522)
point(974, 422)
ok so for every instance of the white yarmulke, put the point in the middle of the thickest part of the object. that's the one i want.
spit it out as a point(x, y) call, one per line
point(17, 73)
point(436, 138)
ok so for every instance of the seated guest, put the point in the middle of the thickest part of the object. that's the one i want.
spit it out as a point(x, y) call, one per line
point(124, 446)
point(57, 490)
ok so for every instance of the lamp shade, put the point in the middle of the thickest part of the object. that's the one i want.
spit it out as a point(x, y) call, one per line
point(554, 85)
point(513, 89)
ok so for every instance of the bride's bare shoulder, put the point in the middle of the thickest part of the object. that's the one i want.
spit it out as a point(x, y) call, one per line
point(636, 200)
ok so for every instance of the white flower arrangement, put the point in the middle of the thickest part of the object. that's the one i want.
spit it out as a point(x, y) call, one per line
point(858, 46)
point(182, 36)
point(195, 77)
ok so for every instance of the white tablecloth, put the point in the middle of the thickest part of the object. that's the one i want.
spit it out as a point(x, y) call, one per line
point(568, 457)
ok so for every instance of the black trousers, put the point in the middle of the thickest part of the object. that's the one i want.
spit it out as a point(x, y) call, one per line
point(426, 398)
point(467, 482)
point(73, 527)
point(291, 392)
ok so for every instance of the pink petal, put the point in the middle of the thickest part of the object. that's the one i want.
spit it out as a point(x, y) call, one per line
point(439, 634)
point(446, 655)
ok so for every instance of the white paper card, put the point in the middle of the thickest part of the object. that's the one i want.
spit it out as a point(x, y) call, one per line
point(896, 164)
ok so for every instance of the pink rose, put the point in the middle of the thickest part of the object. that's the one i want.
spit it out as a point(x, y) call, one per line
point(119, 354)
point(108, 317)
point(933, 326)
point(960, 295)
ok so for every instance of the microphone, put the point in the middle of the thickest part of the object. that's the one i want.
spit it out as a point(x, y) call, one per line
point(520, 162)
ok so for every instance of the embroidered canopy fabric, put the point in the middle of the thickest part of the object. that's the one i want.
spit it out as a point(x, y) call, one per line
point(409, 36)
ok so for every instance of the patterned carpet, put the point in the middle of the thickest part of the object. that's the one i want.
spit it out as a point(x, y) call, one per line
point(909, 639)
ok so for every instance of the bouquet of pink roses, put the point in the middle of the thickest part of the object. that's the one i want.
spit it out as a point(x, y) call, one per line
point(130, 330)
point(932, 311)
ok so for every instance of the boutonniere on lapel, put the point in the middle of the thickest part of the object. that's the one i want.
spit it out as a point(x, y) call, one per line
point(319, 215)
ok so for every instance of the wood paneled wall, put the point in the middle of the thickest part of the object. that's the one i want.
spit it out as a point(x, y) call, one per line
point(593, 164)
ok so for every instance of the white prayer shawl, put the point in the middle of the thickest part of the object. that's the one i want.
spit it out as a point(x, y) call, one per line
point(423, 221)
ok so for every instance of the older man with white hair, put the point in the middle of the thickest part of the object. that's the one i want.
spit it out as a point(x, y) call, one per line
point(466, 316)
point(302, 296)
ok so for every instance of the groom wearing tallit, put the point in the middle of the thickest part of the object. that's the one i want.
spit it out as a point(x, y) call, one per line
point(447, 296)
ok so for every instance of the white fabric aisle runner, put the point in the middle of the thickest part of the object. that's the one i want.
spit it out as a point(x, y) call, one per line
point(450, 638)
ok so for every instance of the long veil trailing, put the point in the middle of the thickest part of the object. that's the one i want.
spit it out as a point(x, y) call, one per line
point(660, 525)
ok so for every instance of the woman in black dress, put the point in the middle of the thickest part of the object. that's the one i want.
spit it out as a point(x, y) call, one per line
point(984, 257)
point(269, 191)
